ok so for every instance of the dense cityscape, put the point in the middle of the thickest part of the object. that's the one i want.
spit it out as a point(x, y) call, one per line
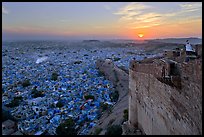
point(45, 87)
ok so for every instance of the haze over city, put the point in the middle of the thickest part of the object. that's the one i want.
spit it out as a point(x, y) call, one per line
point(100, 20)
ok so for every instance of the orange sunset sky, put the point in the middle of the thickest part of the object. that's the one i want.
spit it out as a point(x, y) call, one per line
point(101, 20)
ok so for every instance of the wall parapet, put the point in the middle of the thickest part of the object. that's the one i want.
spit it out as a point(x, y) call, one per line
point(159, 106)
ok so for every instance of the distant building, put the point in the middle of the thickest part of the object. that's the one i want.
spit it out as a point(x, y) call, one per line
point(17, 133)
point(39, 133)
point(190, 51)
point(189, 48)
point(8, 127)
point(172, 53)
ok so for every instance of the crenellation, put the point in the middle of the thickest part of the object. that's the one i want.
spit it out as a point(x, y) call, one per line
point(166, 96)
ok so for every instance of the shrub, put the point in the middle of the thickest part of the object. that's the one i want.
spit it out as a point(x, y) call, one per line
point(12, 104)
point(52, 106)
point(45, 132)
point(15, 102)
point(26, 83)
point(54, 76)
point(85, 72)
point(67, 128)
point(114, 130)
point(111, 121)
point(100, 74)
point(18, 98)
point(97, 131)
point(104, 106)
point(116, 59)
point(77, 62)
point(35, 93)
point(38, 94)
point(34, 90)
point(131, 53)
point(89, 97)
point(59, 104)
point(6, 114)
point(114, 96)
point(125, 114)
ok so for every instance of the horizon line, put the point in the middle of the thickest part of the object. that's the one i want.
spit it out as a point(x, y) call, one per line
point(100, 39)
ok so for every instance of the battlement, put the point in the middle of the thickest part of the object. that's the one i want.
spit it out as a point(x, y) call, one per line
point(165, 70)
point(165, 96)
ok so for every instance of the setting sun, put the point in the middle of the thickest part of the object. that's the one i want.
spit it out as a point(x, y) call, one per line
point(140, 35)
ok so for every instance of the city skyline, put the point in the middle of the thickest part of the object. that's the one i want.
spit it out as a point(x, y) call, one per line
point(100, 20)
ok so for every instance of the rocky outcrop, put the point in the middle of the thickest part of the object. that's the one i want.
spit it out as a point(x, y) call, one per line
point(116, 75)
point(119, 78)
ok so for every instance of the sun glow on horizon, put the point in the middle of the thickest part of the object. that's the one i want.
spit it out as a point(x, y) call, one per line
point(140, 35)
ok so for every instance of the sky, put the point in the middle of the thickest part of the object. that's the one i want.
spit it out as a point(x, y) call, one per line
point(100, 20)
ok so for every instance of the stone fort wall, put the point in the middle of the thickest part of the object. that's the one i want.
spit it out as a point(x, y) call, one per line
point(159, 108)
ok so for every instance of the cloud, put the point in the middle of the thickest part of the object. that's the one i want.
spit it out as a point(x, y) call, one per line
point(4, 10)
point(140, 15)
point(134, 15)
point(132, 9)
point(187, 12)
point(149, 17)
point(144, 26)
point(191, 6)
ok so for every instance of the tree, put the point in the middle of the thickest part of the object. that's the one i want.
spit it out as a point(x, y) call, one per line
point(15, 102)
point(125, 114)
point(78, 62)
point(6, 114)
point(97, 131)
point(104, 106)
point(114, 130)
point(34, 90)
point(67, 128)
point(38, 94)
point(26, 83)
point(89, 97)
point(54, 76)
point(59, 104)
point(111, 121)
point(114, 96)
point(101, 74)
point(116, 59)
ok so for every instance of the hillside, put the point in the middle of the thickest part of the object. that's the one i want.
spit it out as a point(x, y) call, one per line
point(179, 40)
